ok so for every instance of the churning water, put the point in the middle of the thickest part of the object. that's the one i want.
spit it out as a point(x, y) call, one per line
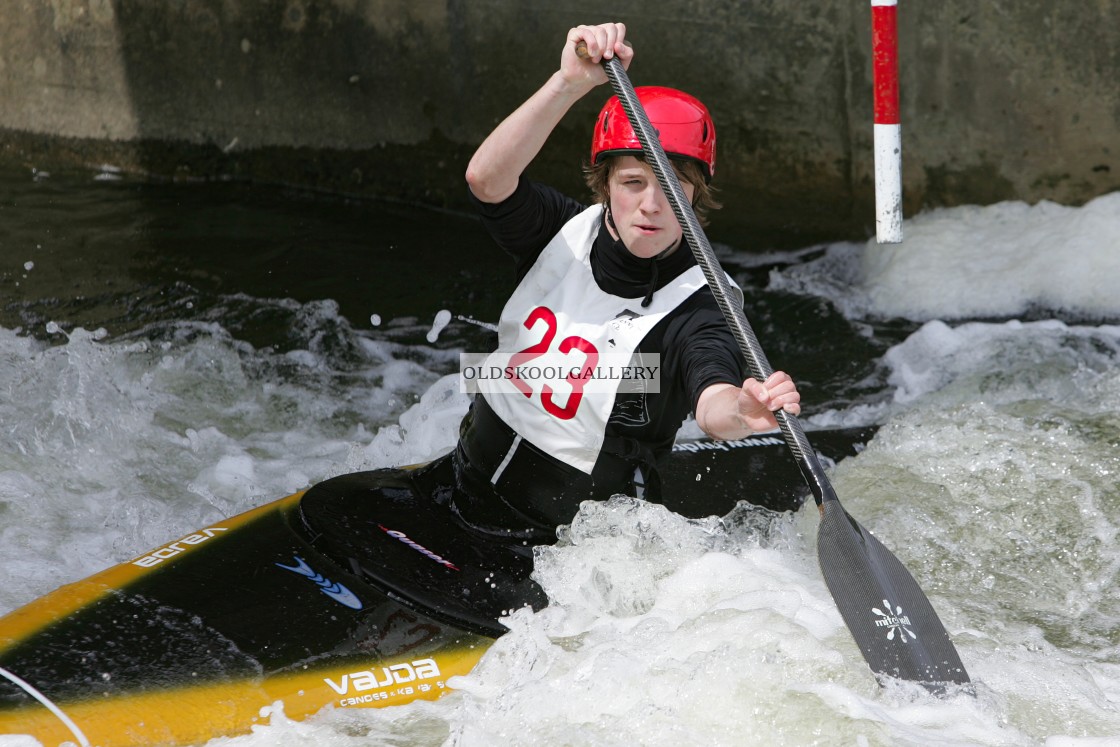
point(172, 355)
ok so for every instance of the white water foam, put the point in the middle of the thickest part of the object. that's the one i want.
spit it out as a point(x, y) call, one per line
point(995, 261)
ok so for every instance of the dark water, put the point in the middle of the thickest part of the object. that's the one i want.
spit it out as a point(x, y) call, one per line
point(131, 254)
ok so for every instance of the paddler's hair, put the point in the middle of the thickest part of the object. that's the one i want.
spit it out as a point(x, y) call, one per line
point(598, 179)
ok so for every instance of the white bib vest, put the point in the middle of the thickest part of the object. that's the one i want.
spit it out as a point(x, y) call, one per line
point(565, 346)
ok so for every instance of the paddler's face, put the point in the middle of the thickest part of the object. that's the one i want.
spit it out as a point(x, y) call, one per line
point(643, 218)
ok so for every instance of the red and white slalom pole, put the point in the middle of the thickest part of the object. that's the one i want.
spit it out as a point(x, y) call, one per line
point(888, 130)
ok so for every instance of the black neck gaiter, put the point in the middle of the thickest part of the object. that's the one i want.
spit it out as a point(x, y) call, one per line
point(620, 273)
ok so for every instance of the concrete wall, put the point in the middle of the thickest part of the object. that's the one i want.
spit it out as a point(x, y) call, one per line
point(1007, 99)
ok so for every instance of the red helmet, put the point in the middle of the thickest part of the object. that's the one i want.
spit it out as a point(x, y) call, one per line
point(683, 124)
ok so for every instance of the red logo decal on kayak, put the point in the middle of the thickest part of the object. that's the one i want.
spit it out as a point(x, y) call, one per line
point(401, 536)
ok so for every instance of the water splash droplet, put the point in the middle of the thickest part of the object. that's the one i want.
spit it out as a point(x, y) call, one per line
point(443, 318)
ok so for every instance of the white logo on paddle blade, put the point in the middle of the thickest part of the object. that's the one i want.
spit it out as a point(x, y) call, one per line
point(894, 622)
point(335, 591)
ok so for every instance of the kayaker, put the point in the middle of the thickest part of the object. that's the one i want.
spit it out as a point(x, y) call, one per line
point(614, 276)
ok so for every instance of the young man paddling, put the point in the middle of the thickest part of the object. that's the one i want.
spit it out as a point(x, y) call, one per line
point(611, 280)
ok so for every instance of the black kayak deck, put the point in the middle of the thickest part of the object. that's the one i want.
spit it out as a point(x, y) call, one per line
point(708, 478)
point(397, 529)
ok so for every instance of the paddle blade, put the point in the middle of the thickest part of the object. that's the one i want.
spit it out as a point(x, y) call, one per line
point(892, 621)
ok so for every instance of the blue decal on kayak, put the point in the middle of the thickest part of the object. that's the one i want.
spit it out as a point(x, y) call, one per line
point(335, 591)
